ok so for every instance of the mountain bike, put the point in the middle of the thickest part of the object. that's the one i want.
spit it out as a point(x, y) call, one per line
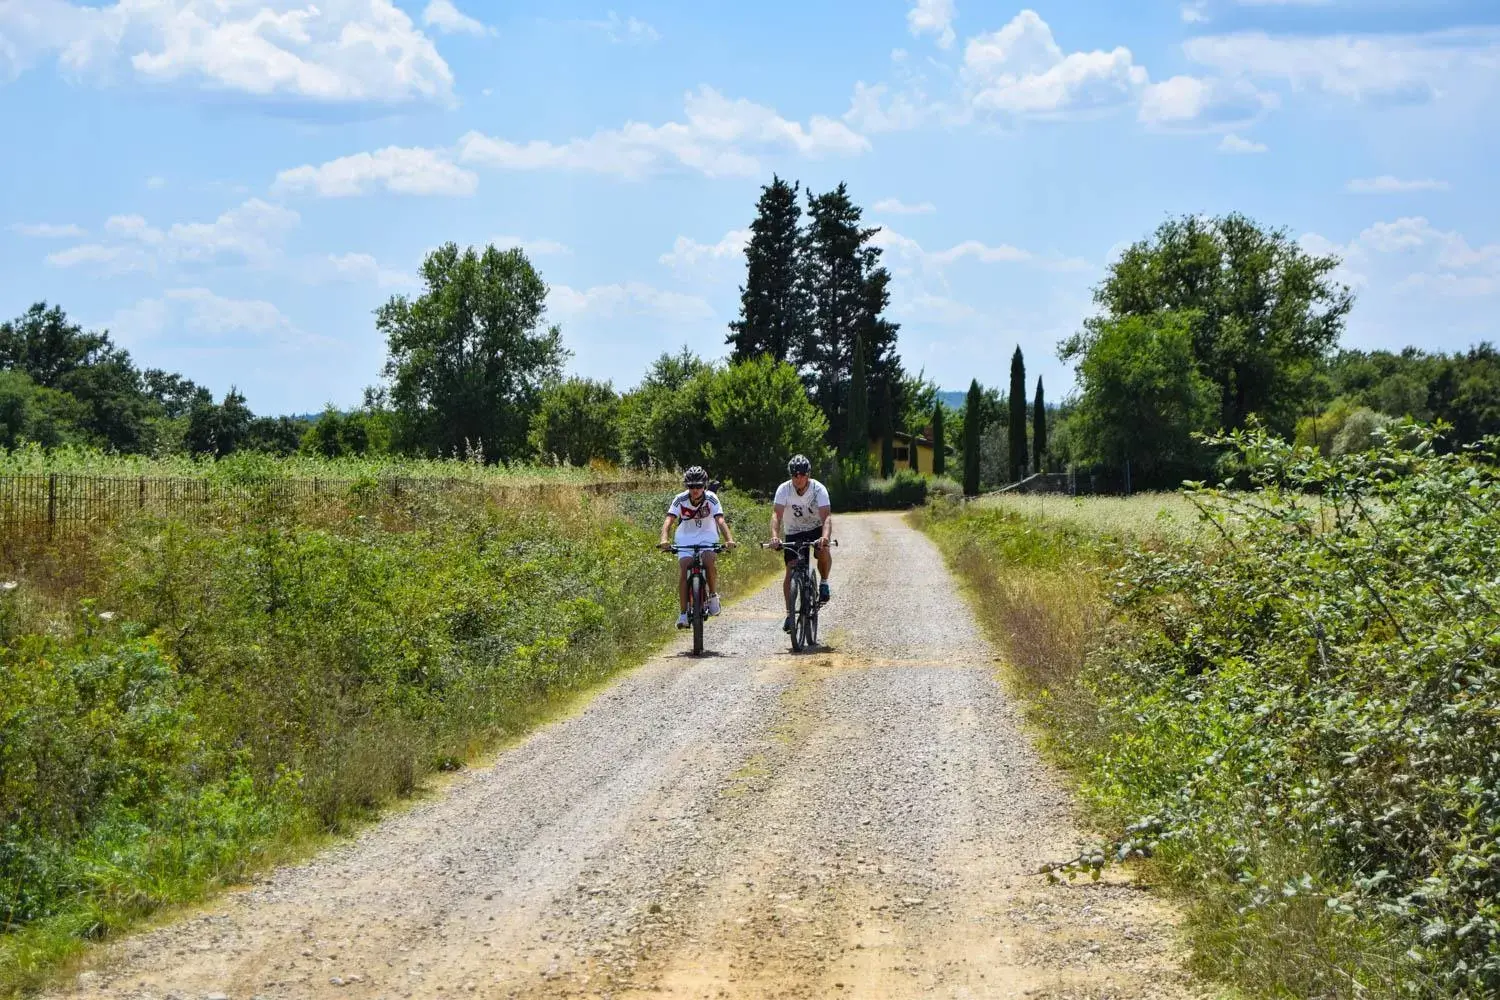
point(805, 602)
point(697, 583)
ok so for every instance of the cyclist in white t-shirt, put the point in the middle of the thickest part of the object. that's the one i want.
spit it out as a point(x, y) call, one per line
point(802, 507)
point(699, 518)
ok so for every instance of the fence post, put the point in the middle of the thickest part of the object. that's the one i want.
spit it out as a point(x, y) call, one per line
point(141, 502)
point(51, 504)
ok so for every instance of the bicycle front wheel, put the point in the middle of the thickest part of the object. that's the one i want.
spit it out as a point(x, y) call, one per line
point(696, 610)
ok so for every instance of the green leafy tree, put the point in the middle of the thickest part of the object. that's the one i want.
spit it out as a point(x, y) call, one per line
point(1142, 399)
point(578, 420)
point(1017, 439)
point(1039, 427)
point(973, 429)
point(664, 420)
point(218, 430)
point(34, 413)
point(775, 307)
point(760, 415)
point(939, 445)
point(1262, 314)
point(469, 357)
point(279, 436)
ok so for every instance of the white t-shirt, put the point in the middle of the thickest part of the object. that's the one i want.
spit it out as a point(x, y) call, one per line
point(801, 513)
point(695, 525)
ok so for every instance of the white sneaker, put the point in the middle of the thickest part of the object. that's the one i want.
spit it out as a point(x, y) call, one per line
point(682, 620)
point(713, 604)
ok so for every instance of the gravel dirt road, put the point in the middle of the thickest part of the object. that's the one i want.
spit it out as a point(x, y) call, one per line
point(859, 822)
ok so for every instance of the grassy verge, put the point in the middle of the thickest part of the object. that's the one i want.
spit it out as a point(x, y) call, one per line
point(1290, 713)
point(185, 700)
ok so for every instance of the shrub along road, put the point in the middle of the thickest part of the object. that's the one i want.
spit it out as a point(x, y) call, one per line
point(861, 821)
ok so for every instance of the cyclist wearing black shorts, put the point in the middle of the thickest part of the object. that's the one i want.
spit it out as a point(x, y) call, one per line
point(803, 509)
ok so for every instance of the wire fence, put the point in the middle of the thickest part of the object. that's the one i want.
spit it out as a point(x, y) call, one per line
point(57, 504)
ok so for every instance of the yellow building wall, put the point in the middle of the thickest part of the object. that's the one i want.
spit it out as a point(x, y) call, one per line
point(924, 458)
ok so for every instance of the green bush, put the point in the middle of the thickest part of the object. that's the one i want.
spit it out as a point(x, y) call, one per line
point(904, 490)
point(1302, 719)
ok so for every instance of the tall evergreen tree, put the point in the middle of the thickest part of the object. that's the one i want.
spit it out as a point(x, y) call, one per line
point(973, 430)
point(1039, 427)
point(848, 290)
point(939, 460)
point(775, 309)
point(858, 436)
point(1017, 415)
point(887, 433)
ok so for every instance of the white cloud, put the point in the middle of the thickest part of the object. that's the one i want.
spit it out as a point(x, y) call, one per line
point(400, 170)
point(895, 206)
point(1381, 68)
point(442, 15)
point(1386, 184)
point(198, 311)
point(1235, 144)
point(332, 51)
point(533, 248)
point(107, 259)
point(1411, 254)
point(252, 232)
point(629, 29)
point(48, 230)
point(1021, 70)
point(629, 299)
point(904, 253)
point(932, 17)
point(355, 268)
point(156, 183)
point(1195, 12)
point(719, 138)
point(1202, 103)
point(687, 253)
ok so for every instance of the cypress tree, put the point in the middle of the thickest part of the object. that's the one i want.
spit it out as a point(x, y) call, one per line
point(887, 434)
point(1039, 427)
point(775, 308)
point(1017, 415)
point(939, 461)
point(973, 421)
point(857, 440)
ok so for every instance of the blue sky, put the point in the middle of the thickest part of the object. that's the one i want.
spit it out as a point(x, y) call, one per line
point(231, 187)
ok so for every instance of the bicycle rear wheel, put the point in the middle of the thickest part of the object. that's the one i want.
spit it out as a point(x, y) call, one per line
point(696, 610)
point(800, 612)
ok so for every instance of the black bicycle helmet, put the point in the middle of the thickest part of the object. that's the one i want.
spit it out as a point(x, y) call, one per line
point(799, 465)
point(695, 477)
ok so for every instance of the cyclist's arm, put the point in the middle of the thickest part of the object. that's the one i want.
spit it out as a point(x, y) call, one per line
point(724, 527)
point(826, 513)
point(666, 526)
point(776, 511)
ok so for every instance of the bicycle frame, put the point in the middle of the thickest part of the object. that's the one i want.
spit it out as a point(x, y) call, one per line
point(697, 588)
point(805, 602)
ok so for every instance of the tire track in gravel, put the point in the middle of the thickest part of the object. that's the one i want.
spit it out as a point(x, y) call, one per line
point(857, 822)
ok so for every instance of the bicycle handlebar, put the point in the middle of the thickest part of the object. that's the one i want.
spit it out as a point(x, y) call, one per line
point(797, 545)
point(674, 547)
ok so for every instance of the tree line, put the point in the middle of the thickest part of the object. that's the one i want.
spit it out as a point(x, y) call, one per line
point(1208, 324)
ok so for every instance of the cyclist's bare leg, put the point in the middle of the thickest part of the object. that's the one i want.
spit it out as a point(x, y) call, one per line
point(682, 574)
point(711, 560)
point(786, 588)
point(825, 562)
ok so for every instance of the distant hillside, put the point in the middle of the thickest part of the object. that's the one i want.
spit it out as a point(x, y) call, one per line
point(952, 398)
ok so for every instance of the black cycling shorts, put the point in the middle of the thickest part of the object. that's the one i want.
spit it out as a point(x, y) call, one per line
point(810, 535)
